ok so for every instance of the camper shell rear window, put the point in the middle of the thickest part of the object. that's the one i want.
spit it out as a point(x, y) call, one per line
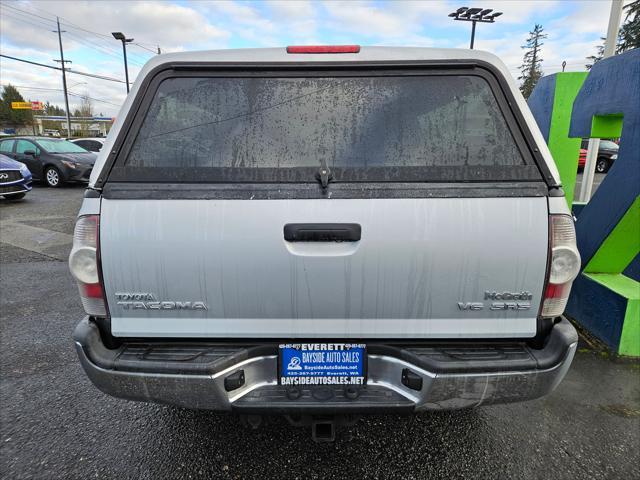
point(279, 127)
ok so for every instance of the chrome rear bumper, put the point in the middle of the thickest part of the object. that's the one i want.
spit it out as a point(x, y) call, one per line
point(444, 384)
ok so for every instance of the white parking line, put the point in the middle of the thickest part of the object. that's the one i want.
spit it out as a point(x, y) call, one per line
point(35, 239)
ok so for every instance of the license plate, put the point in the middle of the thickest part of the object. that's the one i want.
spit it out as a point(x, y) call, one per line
point(322, 364)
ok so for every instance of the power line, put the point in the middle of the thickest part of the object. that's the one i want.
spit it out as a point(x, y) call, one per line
point(101, 77)
point(27, 12)
point(67, 23)
point(33, 22)
point(73, 94)
point(100, 48)
point(109, 37)
point(137, 60)
point(147, 49)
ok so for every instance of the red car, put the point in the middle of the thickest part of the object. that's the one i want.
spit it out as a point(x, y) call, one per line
point(582, 159)
point(607, 154)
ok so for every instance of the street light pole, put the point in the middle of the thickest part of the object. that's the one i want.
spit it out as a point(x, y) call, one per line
point(474, 15)
point(473, 34)
point(121, 36)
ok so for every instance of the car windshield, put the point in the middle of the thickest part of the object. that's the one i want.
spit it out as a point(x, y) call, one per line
point(608, 144)
point(61, 146)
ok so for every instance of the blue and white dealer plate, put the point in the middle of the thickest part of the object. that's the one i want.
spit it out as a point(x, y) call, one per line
point(322, 364)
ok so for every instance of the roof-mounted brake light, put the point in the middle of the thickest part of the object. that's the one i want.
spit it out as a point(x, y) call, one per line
point(323, 49)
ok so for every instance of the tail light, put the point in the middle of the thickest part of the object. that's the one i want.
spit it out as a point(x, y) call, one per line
point(85, 266)
point(564, 265)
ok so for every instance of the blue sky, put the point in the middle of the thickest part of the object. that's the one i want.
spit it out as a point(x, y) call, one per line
point(574, 28)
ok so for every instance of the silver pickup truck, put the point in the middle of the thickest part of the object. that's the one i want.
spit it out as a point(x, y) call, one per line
point(324, 232)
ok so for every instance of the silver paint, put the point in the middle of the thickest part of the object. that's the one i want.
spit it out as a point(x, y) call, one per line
point(403, 279)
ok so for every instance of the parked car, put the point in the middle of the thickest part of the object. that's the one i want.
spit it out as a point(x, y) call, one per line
point(55, 161)
point(15, 179)
point(93, 144)
point(607, 154)
point(383, 233)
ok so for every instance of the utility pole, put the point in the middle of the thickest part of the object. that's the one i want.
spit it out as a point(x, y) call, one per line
point(64, 79)
point(594, 143)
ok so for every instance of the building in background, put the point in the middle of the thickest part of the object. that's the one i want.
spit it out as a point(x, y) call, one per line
point(56, 126)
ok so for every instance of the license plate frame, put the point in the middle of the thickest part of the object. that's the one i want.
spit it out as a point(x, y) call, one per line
point(322, 364)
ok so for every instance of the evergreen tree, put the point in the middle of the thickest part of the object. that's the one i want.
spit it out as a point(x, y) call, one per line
point(598, 56)
point(629, 36)
point(8, 116)
point(50, 109)
point(530, 68)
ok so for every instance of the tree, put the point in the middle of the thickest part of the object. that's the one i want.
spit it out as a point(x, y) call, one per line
point(628, 35)
point(86, 106)
point(50, 109)
point(84, 110)
point(9, 116)
point(598, 56)
point(530, 68)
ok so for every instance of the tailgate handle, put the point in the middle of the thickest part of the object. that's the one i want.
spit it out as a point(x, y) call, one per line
point(322, 232)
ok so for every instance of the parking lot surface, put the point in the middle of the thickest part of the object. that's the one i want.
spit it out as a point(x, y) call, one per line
point(55, 424)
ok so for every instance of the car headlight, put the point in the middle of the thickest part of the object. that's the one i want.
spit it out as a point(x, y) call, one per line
point(24, 170)
point(69, 163)
point(614, 156)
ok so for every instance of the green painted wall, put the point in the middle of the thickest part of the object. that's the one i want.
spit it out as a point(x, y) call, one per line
point(565, 150)
point(606, 126)
point(630, 339)
point(630, 289)
point(621, 246)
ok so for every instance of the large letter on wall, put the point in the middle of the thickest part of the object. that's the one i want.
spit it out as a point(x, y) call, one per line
point(551, 103)
point(606, 296)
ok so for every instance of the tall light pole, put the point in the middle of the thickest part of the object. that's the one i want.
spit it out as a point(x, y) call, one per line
point(594, 143)
point(474, 15)
point(120, 36)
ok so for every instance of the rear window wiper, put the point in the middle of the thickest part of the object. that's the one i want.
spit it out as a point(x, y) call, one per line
point(324, 174)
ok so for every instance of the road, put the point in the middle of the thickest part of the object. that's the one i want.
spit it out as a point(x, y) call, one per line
point(55, 424)
point(597, 180)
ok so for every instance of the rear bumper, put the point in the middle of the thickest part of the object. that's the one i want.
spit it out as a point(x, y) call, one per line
point(205, 375)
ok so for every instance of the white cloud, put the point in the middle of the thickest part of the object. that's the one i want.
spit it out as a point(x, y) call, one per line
point(573, 28)
point(292, 10)
point(153, 22)
point(402, 23)
point(297, 20)
point(364, 19)
point(523, 11)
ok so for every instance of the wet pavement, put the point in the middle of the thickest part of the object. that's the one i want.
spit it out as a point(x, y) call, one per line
point(55, 424)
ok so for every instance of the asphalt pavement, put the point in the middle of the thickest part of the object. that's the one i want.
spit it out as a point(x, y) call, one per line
point(55, 424)
point(597, 180)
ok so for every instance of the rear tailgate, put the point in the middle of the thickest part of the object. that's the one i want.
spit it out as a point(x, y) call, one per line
point(431, 166)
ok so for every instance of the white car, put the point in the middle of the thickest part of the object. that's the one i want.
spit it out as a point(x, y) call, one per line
point(93, 144)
